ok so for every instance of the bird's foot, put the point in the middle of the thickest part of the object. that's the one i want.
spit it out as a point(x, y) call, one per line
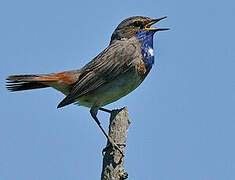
point(115, 111)
point(112, 144)
point(93, 112)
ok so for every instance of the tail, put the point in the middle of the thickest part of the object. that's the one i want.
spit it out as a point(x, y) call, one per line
point(24, 82)
point(60, 81)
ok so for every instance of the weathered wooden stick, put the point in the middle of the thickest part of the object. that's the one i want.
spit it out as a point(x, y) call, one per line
point(113, 161)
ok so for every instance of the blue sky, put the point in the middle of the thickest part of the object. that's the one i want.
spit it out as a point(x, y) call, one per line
point(183, 118)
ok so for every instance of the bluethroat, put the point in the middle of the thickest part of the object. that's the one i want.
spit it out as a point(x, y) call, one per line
point(112, 74)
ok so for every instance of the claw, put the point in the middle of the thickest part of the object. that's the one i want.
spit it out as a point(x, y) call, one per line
point(94, 110)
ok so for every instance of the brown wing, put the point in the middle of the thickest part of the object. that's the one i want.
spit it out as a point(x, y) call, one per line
point(113, 61)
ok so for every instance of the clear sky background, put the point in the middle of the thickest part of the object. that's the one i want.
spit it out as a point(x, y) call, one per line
point(183, 118)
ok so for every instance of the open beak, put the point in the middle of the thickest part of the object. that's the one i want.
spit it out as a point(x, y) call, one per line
point(148, 28)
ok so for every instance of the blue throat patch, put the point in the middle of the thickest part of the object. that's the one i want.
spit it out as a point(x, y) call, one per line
point(146, 38)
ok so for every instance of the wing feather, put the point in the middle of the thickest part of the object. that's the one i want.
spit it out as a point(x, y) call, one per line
point(113, 61)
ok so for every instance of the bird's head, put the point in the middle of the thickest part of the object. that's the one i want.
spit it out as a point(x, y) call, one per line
point(133, 25)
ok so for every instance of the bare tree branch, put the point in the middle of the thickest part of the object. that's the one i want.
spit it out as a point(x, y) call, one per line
point(113, 161)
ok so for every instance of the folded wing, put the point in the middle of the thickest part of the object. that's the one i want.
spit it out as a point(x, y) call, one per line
point(118, 58)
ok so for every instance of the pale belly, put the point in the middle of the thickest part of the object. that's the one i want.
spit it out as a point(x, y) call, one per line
point(112, 91)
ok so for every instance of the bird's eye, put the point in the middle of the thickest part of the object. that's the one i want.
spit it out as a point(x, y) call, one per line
point(137, 24)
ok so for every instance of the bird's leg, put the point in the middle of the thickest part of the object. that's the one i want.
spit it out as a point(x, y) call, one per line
point(105, 110)
point(94, 111)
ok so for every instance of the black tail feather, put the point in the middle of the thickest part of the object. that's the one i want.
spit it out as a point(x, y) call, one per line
point(23, 82)
point(20, 86)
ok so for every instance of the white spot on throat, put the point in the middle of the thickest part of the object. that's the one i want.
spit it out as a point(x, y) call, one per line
point(151, 51)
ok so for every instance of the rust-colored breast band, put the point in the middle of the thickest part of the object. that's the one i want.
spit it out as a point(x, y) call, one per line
point(141, 69)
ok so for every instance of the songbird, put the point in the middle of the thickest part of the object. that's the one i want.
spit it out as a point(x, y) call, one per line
point(115, 72)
